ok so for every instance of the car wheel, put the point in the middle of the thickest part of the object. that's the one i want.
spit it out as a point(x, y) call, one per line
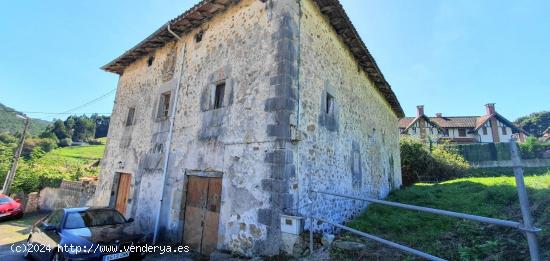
point(27, 254)
point(57, 256)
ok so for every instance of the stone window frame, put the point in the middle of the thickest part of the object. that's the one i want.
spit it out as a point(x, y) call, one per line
point(356, 165)
point(163, 112)
point(216, 79)
point(329, 114)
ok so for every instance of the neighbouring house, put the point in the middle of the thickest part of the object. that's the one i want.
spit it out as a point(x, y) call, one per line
point(228, 115)
point(491, 127)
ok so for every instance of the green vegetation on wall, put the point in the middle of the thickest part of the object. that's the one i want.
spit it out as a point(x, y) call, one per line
point(484, 151)
point(532, 148)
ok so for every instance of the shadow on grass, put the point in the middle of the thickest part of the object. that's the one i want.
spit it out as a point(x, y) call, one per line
point(453, 238)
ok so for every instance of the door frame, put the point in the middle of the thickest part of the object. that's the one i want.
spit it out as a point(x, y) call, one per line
point(202, 174)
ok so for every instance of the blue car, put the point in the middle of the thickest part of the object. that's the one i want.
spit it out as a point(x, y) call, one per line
point(87, 233)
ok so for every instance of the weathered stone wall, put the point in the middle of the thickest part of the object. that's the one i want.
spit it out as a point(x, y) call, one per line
point(353, 149)
point(70, 194)
point(237, 47)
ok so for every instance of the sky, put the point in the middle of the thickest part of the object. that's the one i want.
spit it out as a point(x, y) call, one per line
point(452, 57)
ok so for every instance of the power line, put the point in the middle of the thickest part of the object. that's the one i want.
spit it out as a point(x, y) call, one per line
point(52, 113)
point(64, 113)
point(90, 102)
point(71, 111)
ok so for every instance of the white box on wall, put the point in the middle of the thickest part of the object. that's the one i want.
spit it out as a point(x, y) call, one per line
point(291, 224)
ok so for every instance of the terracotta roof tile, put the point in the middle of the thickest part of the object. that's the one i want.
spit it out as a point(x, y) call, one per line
point(455, 122)
point(405, 122)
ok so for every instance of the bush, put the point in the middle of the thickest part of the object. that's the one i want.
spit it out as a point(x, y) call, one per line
point(533, 148)
point(7, 138)
point(95, 142)
point(419, 163)
point(65, 142)
point(48, 144)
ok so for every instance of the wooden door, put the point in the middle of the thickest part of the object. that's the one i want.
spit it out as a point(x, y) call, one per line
point(202, 211)
point(122, 192)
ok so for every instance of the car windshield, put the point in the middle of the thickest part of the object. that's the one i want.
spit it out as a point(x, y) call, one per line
point(93, 218)
point(5, 200)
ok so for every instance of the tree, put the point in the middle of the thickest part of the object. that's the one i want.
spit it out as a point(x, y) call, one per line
point(84, 128)
point(59, 129)
point(535, 123)
point(101, 125)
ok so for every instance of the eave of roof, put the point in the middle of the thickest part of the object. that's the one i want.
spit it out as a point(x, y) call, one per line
point(346, 30)
point(205, 9)
point(189, 20)
point(426, 118)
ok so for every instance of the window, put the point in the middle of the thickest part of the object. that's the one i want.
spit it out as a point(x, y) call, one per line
point(329, 104)
point(198, 36)
point(484, 130)
point(219, 95)
point(130, 117)
point(93, 218)
point(462, 132)
point(164, 106)
point(54, 219)
point(150, 60)
point(504, 132)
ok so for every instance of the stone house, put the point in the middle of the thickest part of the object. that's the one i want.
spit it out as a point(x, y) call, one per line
point(488, 128)
point(228, 115)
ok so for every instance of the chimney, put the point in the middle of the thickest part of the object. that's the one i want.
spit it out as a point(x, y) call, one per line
point(439, 115)
point(490, 108)
point(420, 110)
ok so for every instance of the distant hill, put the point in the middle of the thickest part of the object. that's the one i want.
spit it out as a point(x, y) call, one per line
point(10, 123)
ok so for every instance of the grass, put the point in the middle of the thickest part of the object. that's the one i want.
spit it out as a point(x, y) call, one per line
point(455, 239)
point(92, 152)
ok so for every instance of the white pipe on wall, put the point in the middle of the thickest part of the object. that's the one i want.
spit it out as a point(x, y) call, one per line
point(170, 133)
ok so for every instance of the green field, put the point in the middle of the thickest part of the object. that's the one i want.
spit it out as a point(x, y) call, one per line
point(82, 153)
point(452, 238)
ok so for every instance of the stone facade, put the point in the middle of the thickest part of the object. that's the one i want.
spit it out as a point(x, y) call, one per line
point(354, 151)
point(293, 117)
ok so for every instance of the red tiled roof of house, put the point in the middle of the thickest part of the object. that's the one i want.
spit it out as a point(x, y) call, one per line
point(405, 122)
point(456, 122)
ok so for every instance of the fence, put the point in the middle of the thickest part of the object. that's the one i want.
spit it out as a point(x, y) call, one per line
point(525, 226)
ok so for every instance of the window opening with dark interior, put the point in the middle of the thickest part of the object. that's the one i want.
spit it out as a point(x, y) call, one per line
point(219, 95)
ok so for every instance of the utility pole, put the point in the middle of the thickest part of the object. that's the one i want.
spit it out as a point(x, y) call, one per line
point(11, 173)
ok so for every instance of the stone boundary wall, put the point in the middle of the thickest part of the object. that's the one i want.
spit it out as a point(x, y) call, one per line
point(69, 194)
point(528, 163)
